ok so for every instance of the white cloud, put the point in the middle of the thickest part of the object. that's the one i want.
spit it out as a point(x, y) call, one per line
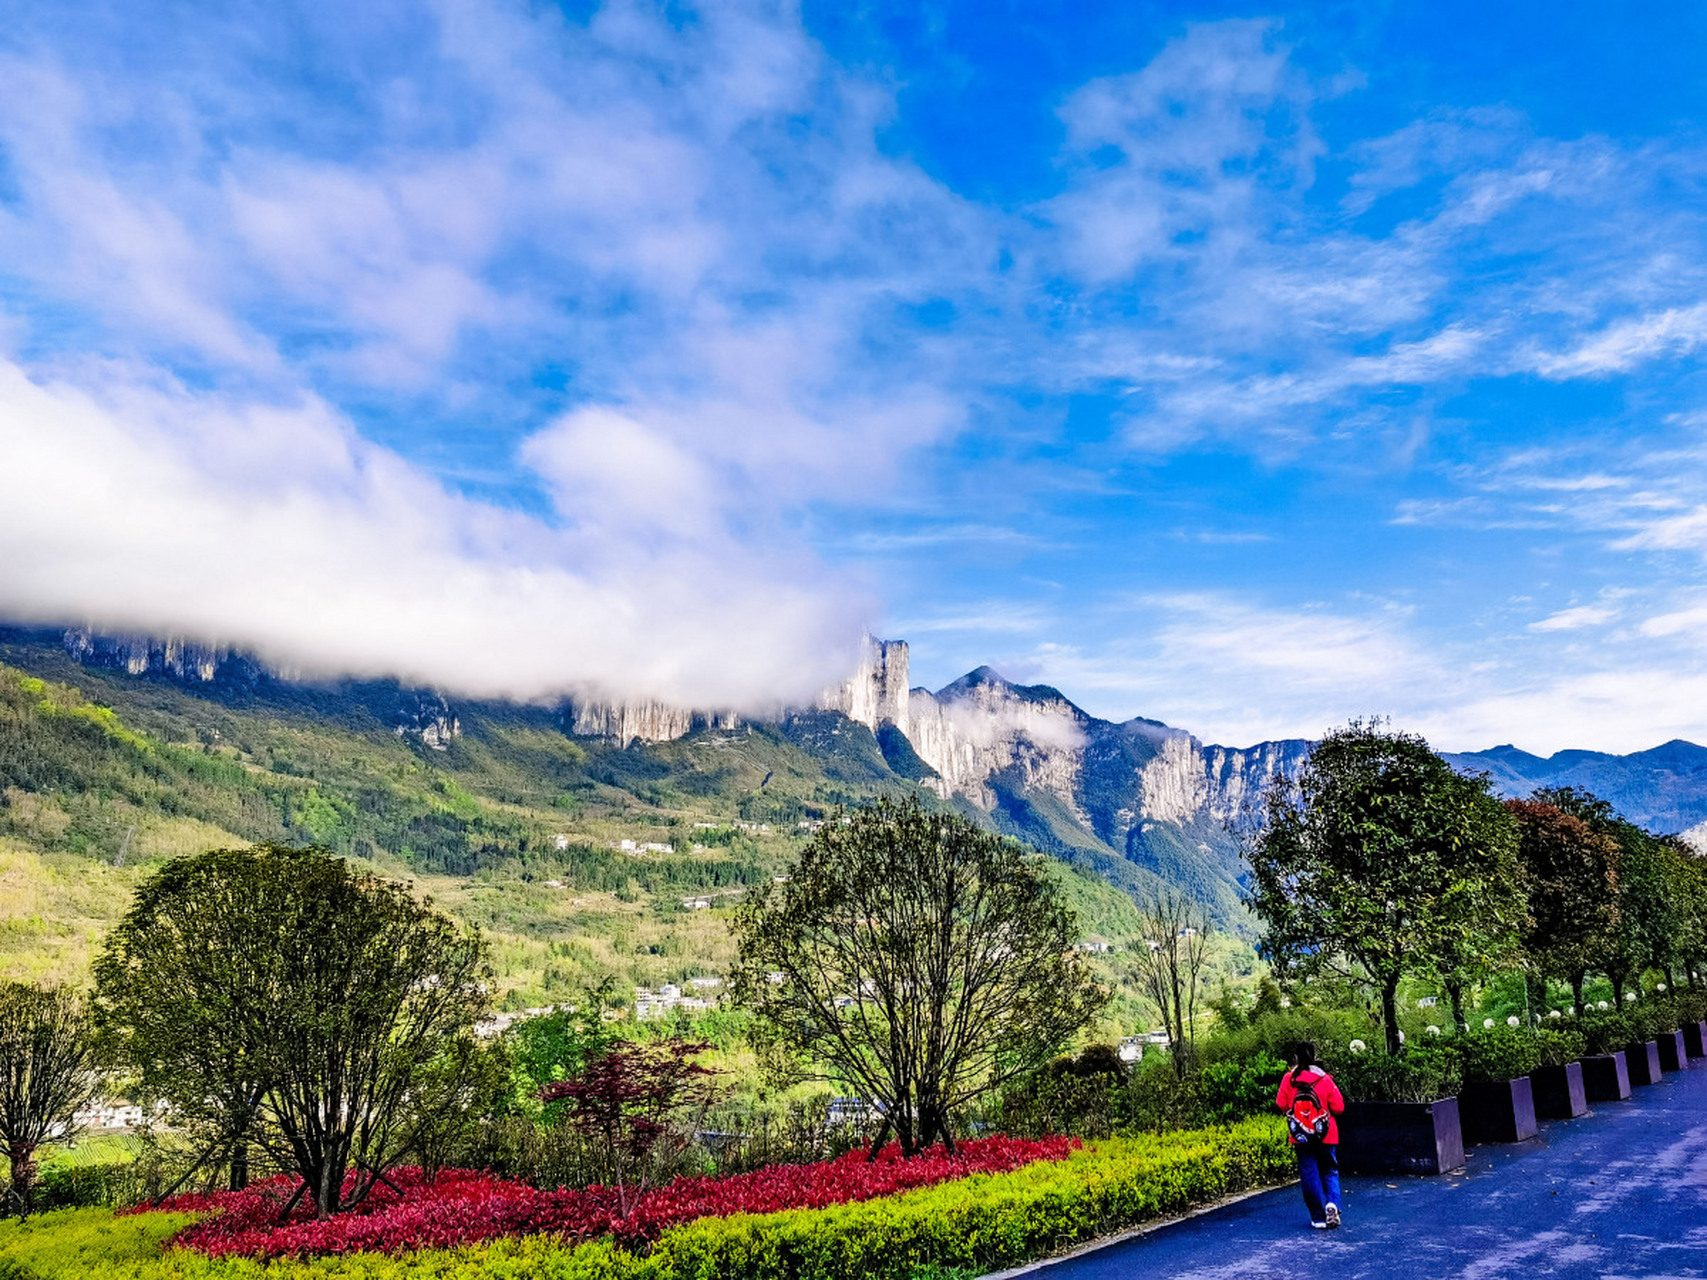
point(629, 201)
point(1235, 671)
point(1673, 332)
point(1576, 618)
point(276, 528)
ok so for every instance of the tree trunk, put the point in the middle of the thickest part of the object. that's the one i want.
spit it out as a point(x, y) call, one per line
point(1577, 980)
point(877, 1142)
point(1455, 997)
point(1535, 988)
point(239, 1166)
point(1390, 1013)
point(21, 1159)
point(1617, 990)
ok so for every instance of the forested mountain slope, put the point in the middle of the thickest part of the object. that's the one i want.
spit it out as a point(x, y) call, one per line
point(494, 808)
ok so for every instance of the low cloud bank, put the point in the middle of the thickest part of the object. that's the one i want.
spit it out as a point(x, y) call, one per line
point(144, 507)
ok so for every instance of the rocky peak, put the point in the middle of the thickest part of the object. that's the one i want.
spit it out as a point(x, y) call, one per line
point(877, 692)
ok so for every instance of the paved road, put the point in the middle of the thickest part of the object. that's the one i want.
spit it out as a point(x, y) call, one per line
point(1619, 1193)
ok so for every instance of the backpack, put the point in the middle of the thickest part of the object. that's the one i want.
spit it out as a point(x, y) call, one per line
point(1306, 1118)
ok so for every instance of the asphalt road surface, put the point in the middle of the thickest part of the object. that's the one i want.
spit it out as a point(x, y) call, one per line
point(1621, 1192)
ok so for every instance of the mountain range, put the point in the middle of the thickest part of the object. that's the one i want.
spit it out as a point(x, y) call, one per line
point(1134, 802)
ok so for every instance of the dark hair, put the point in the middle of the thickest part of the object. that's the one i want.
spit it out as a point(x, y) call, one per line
point(1305, 1053)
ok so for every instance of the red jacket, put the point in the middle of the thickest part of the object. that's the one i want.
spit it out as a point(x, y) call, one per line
point(1326, 1091)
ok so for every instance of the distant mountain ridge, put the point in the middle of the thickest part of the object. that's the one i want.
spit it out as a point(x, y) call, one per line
point(1138, 802)
point(1663, 788)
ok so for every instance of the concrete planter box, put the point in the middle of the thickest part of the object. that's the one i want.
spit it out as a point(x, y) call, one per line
point(1559, 1092)
point(1673, 1055)
point(1401, 1137)
point(1695, 1039)
point(1497, 1111)
point(1606, 1077)
point(1644, 1062)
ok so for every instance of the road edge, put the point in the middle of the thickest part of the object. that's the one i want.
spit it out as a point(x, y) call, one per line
point(1133, 1233)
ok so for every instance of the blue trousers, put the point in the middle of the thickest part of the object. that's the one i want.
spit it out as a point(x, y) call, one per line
point(1319, 1175)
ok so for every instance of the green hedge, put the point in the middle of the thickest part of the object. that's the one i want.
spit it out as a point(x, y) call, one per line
point(1504, 1053)
point(977, 1224)
point(988, 1222)
point(1417, 1073)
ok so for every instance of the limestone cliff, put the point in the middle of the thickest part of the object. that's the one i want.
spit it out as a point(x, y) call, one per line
point(423, 714)
point(644, 720)
point(141, 655)
point(981, 727)
point(877, 692)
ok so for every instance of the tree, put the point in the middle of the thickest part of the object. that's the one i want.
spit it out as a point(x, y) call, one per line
point(278, 996)
point(1571, 871)
point(48, 1074)
point(1175, 939)
point(638, 1105)
point(1648, 923)
point(461, 1087)
point(558, 1045)
point(1689, 890)
point(916, 958)
point(1380, 858)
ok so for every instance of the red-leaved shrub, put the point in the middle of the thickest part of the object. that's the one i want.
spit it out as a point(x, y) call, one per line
point(462, 1207)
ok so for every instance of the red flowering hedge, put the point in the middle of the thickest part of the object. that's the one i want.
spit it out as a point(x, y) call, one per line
point(462, 1207)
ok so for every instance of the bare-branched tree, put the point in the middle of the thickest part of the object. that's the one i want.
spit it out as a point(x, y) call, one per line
point(1170, 960)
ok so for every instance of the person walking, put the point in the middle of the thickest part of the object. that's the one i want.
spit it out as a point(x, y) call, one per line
point(1312, 1105)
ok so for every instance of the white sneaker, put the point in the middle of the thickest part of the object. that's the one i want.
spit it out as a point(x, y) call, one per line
point(1333, 1216)
point(1320, 1226)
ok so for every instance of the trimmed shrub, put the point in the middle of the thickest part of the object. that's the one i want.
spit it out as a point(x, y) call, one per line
point(1557, 1046)
point(1275, 1033)
point(1417, 1073)
point(1602, 1032)
point(1081, 1096)
point(985, 1223)
point(1498, 1053)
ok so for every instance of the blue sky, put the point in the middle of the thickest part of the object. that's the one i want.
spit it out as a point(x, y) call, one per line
point(1248, 368)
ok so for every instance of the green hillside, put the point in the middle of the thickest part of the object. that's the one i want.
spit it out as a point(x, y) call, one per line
point(512, 825)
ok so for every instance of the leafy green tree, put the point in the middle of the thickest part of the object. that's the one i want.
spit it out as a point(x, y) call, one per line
point(1571, 871)
point(558, 1045)
point(1689, 891)
point(1649, 923)
point(277, 995)
point(1268, 998)
point(1380, 859)
point(48, 1073)
point(916, 958)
